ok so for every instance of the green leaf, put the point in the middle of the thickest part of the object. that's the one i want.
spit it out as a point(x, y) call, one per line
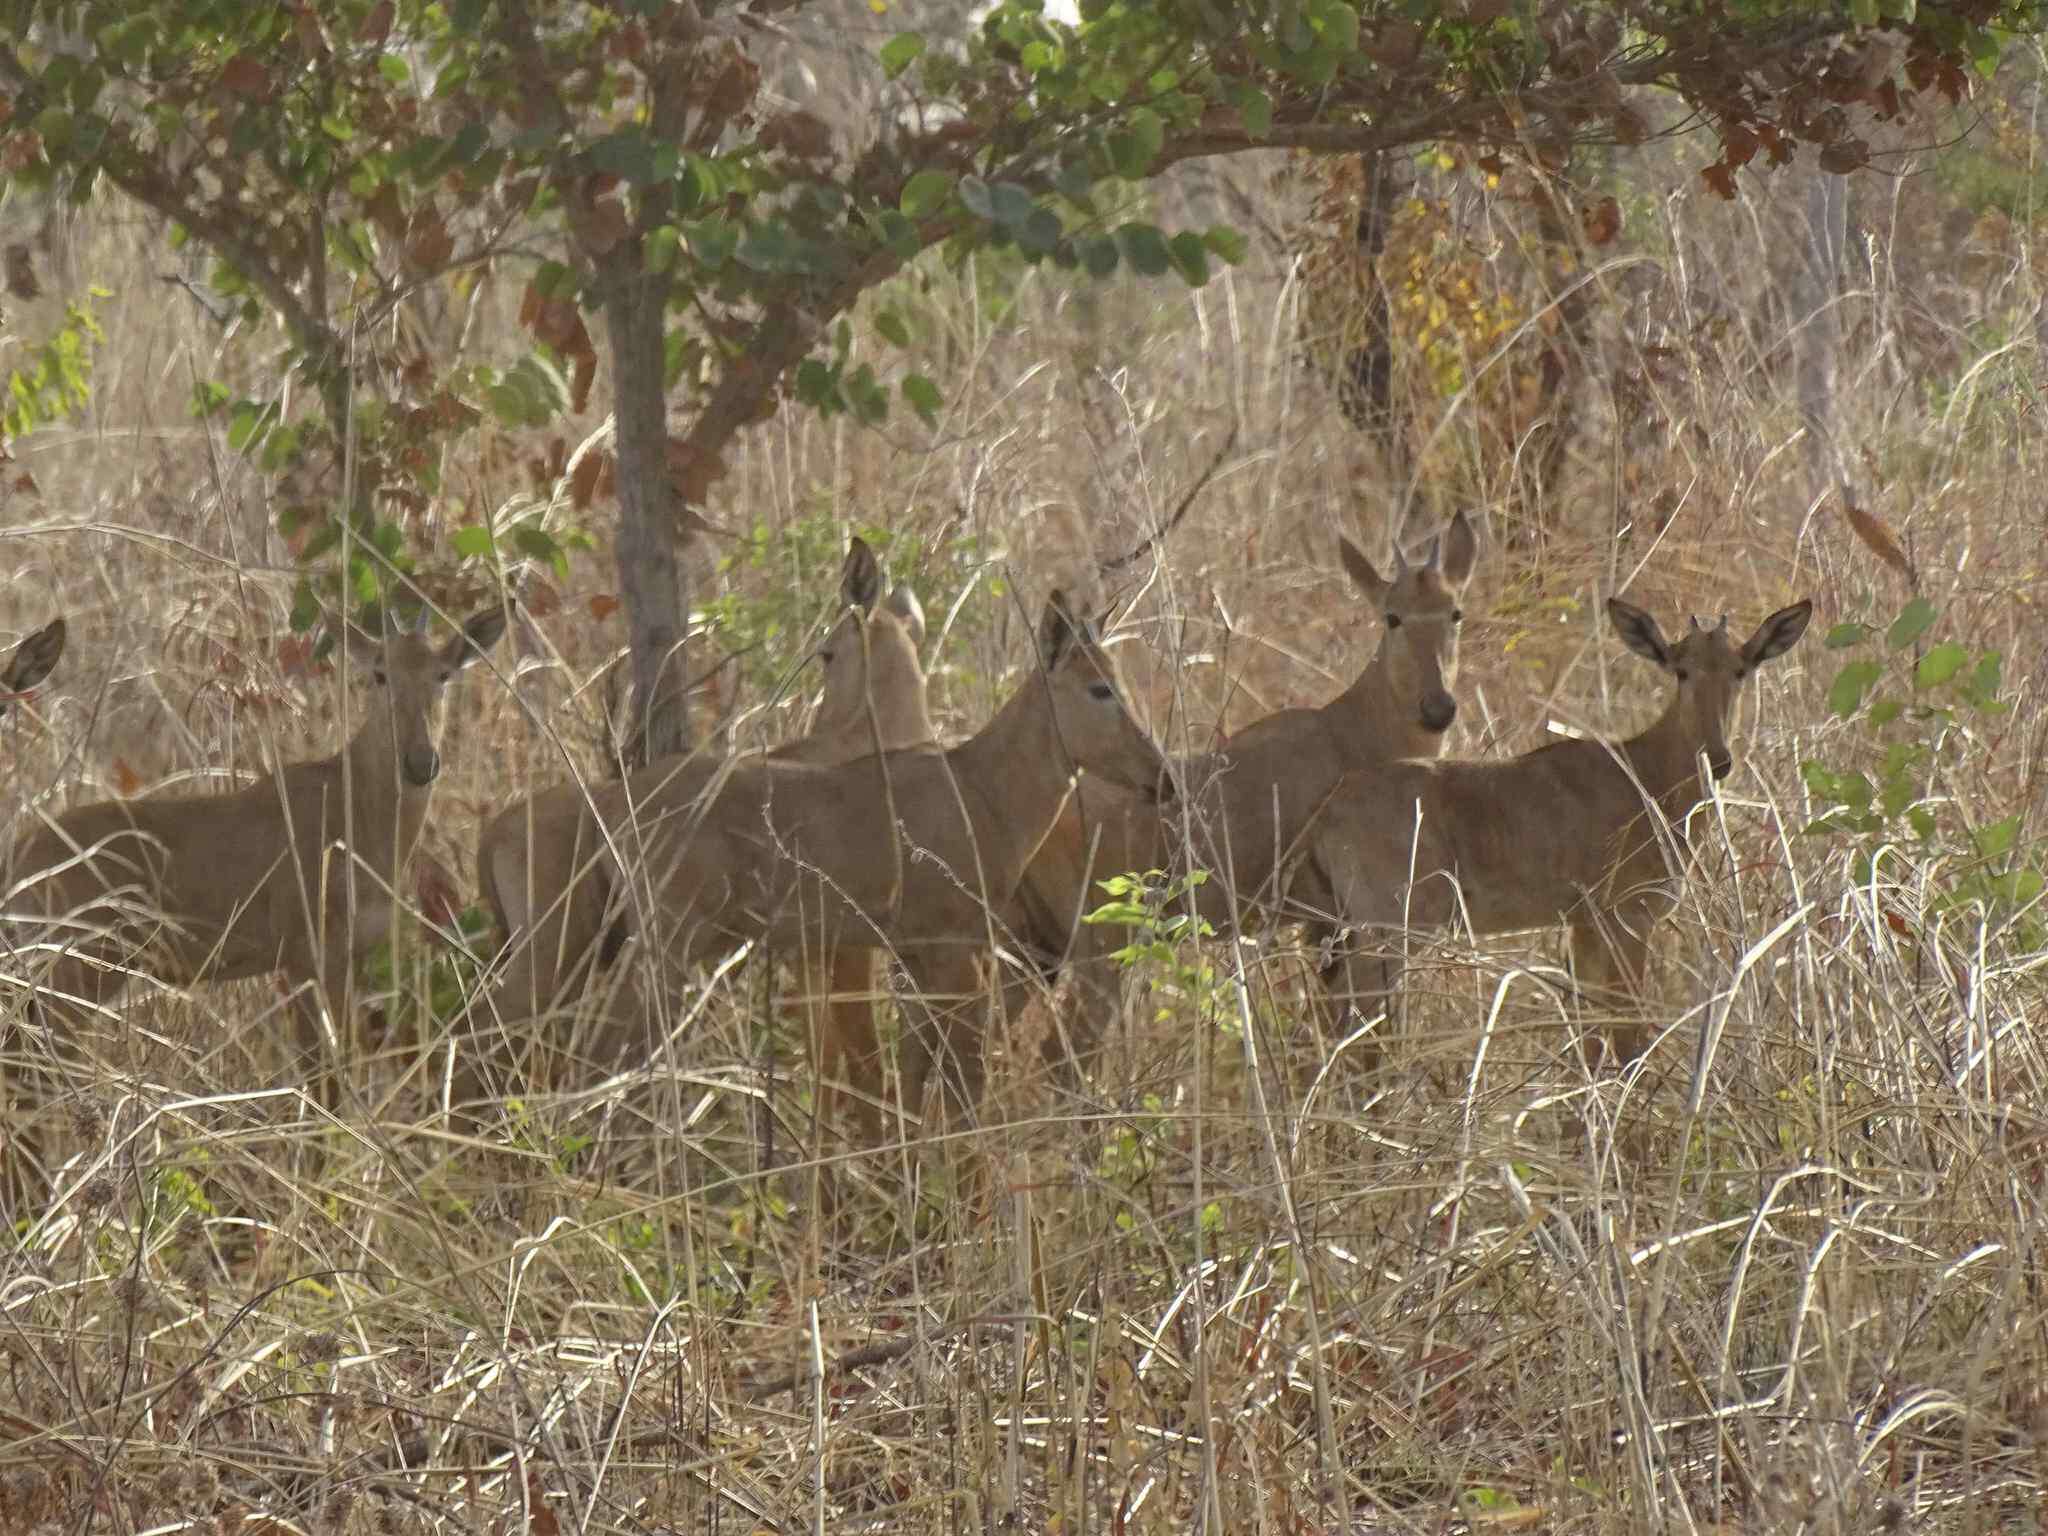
point(1144, 247)
point(926, 193)
point(1256, 108)
point(1914, 620)
point(626, 154)
point(1100, 255)
point(664, 245)
point(974, 197)
point(1226, 244)
point(1845, 696)
point(1842, 636)
point(892, 329)
point(900, 52)
point(924, 397)
point(1190, 257)
point(394, 69)
point(1133, 148)
point(473, 541)
point(1940, 664)
point(1010, 206)
point(1885, 711)
point(712, 242)
point(1998, 838)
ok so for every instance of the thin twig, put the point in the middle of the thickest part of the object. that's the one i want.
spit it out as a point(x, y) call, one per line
point(1187, 501)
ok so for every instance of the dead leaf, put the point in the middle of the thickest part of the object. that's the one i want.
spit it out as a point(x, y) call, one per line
point(127, 782)
point(602, 606)
point(1877, 538)
point(1844, 156)
point(1602, 221)
point(377, 25)
point(429, 245)
point(1720, 180)
point(801, 135)
point(692, 472)
point(21, 273)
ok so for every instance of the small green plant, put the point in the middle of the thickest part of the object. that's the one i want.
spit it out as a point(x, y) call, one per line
point(780, 578)
point(1164, 928)
point(1912, 701)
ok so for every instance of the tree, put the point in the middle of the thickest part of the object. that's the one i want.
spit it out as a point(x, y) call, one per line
point(337, 156)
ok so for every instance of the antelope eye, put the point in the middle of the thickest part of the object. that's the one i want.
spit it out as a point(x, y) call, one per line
point(1741, 673)
point(1393, 621)
point(1683, 674)
point(1102, 692)
point(377, 673)
point(1457, 615)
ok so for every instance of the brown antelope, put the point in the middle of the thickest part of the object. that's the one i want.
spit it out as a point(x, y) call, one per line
point(1573, 832)
point(296, 873)
point(902, 848)
point(33, 660)
point(873, 698)
point(1249, 800)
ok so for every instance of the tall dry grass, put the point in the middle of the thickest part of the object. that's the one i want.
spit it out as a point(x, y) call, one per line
point(1783, 1278)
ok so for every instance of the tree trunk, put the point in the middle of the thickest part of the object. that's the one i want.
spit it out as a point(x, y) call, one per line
point(652, 585)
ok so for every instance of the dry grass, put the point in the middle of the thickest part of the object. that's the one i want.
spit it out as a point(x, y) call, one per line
point(1785, 1278)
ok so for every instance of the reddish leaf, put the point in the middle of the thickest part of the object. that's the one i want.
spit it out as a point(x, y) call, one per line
point(377, 25)
point(245, 77)
point(540, 598)
point(1720, 180)
point(439, 898)
point(1602, 221)
point(603, 606)
point(25, 484)
point(126, 780)
point(429, 245)
point(583, 479)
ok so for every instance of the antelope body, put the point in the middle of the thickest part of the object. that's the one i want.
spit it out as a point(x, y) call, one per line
point(897, 849)
point(1562, 833)
point(1249, 803)
point(873, 699)
point(545, 852)
point(295, 873)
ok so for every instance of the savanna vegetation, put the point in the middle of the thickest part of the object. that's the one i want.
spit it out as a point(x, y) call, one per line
point(622, 318)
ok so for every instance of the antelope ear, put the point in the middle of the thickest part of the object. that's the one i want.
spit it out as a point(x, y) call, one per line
point(1058, 631)
point(904, 604)
point(1638, 631)
point(1777, 634)
point(480, 631)
point(1364, 575)
point(1458, 553)
point(860, 579)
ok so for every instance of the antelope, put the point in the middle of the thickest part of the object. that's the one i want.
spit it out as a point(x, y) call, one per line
point(873, 698)
point(33, 660)
point(1575, 831)
point(293, 874)
point(897, 849)
point(1249, 800)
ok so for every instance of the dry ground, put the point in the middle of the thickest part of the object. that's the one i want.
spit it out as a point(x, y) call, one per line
point(1784, 1278)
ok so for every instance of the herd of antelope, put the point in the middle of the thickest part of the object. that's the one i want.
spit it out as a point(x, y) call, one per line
point(871, 838)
